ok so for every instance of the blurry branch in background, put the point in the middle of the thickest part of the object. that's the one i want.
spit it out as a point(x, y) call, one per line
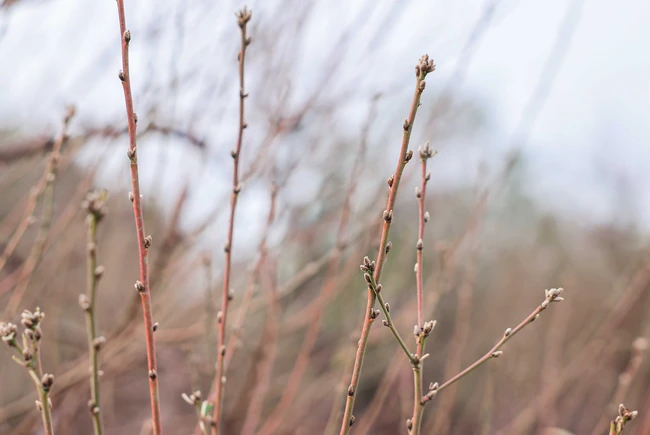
point(62, 223)
point(331, 281)
point(47, 207)
point(30, 358)
point(424, 66)
point(551, 68)
point(236, 335)
point(115, 344)
point(210, 314)
point(443, 101)
point(46, 180)
point(623, 303)
point(236, 339)
point(624, 416)
point(269, 341)
point(12, 151)
point(264, 360)
point(144, 241)
point(461, 333)
point(624, 382)
point(243, 17)
point(94, 205)
point(542, 90)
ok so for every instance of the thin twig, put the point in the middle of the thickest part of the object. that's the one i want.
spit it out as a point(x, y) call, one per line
point(552, 295)
point(462, 322)
point(144, 241)
point(38, 248)
point(368, 267)
point(64, 220)
point(94, 204)
point(252, 284)
point(265, 364)
point(421, 329)
point(46, 179)
point(624, 382)
point(243, 17)
point(590, 352)
point(424, 67)
point(210, 313)
point(332, 279)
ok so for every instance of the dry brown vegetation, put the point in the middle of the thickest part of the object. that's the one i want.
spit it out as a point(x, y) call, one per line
point(276, 336)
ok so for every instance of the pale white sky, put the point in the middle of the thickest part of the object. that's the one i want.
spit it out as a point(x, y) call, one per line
point(591, 129)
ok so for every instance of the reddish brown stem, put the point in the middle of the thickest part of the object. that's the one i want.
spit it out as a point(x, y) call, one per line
point(421, 221)
point(424, 67)
point(416, 420)
point(243, 18)
point(144, 242)
point(253, 282)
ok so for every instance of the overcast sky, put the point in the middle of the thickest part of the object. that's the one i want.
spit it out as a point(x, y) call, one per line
point(584, 64)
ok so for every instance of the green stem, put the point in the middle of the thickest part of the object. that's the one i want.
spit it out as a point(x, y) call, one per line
point(46, 412)
point(418, 402)
point(36, 373)
point(91, 330)
point(389, 320)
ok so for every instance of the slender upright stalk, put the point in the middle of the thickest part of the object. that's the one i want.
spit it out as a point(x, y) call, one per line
point(210, 315)
point(144, 242)
point(44, 405)
point(414, 424)
point(424, 67)
point(94, 204)
point(243, 17)
point(332, 279)
point(420, 192)
point(47, 179)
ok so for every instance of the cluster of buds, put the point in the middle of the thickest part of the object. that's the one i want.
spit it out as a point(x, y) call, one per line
point(426, 152)
point(424, 66)
point(368, 266)
point(243, 17)
point(31, 322)
point(552, 295)
point(193, 399)
point(95, 203)
point(624, 415)
point(8, 332)
point(424, 330)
